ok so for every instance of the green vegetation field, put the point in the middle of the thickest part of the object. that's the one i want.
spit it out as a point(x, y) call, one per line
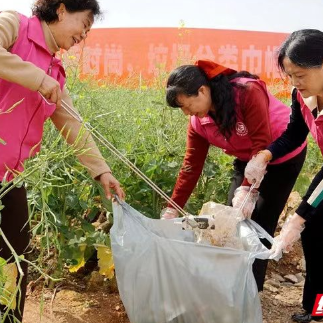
point(64, 200)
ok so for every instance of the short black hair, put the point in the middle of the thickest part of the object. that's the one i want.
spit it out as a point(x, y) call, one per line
point(46, 9)
point(303, 47)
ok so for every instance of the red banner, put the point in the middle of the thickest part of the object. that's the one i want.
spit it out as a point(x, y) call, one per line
point(146, 53)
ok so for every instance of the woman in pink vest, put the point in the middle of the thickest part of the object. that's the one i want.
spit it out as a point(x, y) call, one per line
point(235, 112)
point(301, 59)
point(30, 71)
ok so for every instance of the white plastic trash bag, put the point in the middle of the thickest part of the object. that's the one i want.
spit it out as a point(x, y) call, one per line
point(165, 277)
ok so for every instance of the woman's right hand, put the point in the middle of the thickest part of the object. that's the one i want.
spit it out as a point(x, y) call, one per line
point(256, 167)
point(51, 90)
point(168, 213)
point(239, 197)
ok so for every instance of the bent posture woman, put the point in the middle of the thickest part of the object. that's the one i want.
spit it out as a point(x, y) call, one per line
point(233, 111)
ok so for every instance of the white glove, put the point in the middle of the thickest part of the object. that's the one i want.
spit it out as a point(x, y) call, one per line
point(239, 195)
point(290, 233)
point(256, 167)
point(168, 213)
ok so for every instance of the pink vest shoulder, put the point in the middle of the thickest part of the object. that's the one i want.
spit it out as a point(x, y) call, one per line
point(239, 144)
point(199, 123)
point(315, 125)
point(22, 128)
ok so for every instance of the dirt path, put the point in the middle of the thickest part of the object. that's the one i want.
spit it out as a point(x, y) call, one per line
point(73, 307)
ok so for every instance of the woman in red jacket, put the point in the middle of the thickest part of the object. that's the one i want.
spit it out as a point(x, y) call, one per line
point(235, 112)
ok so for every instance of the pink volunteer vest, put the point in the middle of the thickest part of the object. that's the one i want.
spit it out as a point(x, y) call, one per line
point(315, 125)
point(239, 144)
point(22, 128)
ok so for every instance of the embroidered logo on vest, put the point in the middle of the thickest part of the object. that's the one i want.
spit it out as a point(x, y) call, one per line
point(241, 129)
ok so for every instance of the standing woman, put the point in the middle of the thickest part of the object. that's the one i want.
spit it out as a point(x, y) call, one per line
point(235, 112)
point(301, 59)
point(28, 68)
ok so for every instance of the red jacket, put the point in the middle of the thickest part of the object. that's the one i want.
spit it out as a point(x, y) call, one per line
point(261, 118)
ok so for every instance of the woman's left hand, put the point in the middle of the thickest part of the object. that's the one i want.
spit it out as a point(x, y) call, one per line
point(109, 182)
point(289, 234)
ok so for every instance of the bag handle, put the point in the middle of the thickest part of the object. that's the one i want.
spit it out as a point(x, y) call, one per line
point(261, 232)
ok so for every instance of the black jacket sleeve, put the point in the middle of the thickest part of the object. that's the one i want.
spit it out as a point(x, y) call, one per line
point(307, 210)
point(295, 134)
